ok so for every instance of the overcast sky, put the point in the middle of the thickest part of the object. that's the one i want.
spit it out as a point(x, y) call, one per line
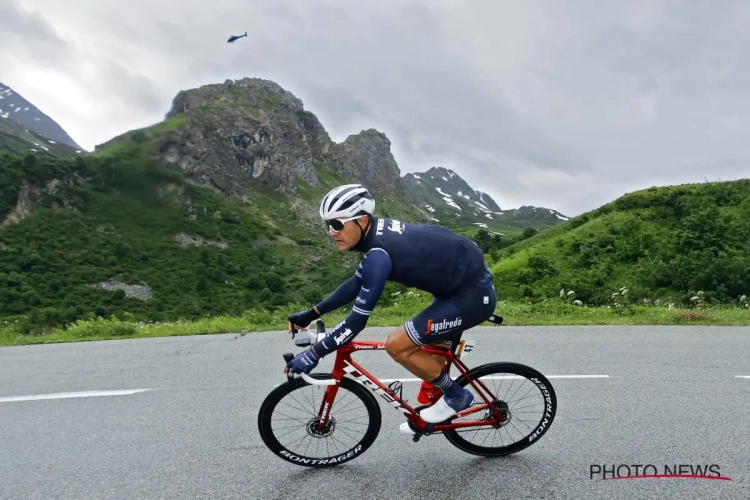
point(566, 105)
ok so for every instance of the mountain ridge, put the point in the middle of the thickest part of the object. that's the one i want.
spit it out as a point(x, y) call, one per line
point(251, 133)
point(449, 198)
point(13, 106)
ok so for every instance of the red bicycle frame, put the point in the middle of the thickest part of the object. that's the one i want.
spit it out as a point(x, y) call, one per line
point(345, 365)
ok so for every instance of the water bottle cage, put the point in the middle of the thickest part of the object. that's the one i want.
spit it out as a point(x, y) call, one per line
point(397, 387)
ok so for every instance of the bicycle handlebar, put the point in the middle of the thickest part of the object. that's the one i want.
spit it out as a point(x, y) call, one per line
point(288, 356)
point(314, 381)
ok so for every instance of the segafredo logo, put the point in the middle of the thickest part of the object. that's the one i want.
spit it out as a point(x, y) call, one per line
point(343, 337)
point(442, 326)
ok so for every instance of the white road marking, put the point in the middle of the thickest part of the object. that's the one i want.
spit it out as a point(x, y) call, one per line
point(65, 395)
point(742, 376)
point(498, 377)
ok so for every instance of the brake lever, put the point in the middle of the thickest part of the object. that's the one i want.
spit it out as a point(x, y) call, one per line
point(288, 357)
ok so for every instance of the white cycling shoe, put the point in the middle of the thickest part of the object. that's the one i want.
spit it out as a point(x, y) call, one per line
point(441, 410)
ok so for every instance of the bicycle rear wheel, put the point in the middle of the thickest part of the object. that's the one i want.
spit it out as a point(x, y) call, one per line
point(507, 383)
point(288, 421)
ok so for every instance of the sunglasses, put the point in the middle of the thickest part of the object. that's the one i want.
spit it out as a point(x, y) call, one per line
point(336, 225)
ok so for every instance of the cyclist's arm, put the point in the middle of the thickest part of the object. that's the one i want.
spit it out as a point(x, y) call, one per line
point(345, 293)
point(375, 270)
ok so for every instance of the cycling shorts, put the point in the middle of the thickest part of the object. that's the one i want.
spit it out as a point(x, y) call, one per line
point(448, 317)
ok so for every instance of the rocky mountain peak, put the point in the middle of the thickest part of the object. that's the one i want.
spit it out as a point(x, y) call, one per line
point(252, 92)
point(366, 157)
point(251, 133)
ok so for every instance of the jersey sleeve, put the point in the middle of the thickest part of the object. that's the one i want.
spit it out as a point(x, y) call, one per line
point(345, 293)
point(374, 271)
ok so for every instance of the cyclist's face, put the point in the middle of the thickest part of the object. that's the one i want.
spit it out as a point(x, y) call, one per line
point(349, 236)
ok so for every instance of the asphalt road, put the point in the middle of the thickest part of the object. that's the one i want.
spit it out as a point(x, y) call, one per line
point(673, 396)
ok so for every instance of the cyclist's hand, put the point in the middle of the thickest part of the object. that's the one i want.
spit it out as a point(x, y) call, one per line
point(302, 319)
point(303, 362)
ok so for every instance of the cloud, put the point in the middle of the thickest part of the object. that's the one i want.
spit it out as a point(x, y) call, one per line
point(27, 35)
point(560, 104)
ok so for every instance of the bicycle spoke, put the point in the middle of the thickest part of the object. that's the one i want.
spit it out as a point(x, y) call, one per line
point(348, 420)
point(528, 400)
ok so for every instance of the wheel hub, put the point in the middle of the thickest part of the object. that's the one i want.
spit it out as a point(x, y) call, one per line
point(504, 411)
point(312, 427)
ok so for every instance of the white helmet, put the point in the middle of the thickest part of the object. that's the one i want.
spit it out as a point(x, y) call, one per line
point(346, 201)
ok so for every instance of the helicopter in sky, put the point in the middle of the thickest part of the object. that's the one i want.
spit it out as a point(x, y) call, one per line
point(234, 38)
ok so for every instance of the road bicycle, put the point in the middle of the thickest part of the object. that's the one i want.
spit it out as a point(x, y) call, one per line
point(332, 418)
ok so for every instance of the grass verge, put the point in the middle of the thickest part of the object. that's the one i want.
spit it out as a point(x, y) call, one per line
point(549, 313)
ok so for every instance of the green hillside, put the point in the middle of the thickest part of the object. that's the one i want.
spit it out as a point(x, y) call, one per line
point(119, 216)
point(666, 244)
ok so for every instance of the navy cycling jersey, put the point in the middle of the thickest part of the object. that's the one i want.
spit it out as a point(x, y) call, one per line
point(430, 258)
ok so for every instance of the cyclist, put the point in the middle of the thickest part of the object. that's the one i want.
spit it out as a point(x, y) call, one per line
point(427, 257)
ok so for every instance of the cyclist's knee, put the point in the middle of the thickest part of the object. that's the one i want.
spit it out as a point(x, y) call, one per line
point(398, 345)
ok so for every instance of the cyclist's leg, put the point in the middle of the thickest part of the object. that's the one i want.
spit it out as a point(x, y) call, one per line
point(445, 320)
point(409, 355)
point(441, 322)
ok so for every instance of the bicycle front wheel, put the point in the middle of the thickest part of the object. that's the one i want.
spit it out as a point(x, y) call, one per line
point(523, 395)
point(288, 422)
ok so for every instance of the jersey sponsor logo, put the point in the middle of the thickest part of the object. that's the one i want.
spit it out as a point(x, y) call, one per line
point(397, 226)
point(343, 337)
point(444, 325)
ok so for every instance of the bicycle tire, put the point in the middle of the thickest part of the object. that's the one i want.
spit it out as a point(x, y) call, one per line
point(538, 430)
point(358, 390)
